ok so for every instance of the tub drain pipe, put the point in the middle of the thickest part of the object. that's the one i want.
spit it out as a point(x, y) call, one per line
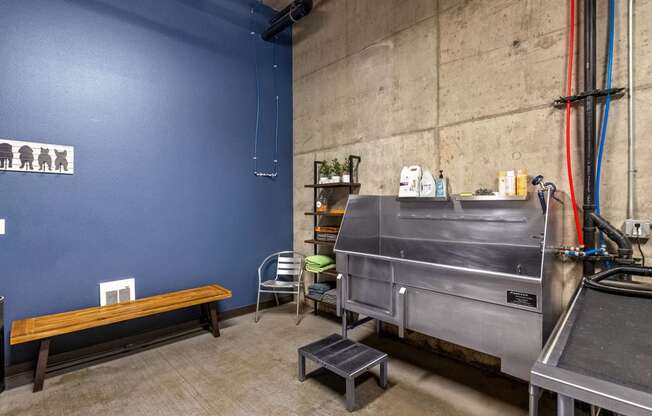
point(625, 250)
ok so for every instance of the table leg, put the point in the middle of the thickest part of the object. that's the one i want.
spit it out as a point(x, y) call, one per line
point(41, 365)
point(350, 394)
point(565, 406)
point(214, 319)
point(302, 367)
point(383, 374)
point(535, 394)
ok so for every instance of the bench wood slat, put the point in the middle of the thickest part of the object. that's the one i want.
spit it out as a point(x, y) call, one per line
point(48, 326)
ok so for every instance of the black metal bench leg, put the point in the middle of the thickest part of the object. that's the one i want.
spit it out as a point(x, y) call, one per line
point(41, 365)
point(214, 319)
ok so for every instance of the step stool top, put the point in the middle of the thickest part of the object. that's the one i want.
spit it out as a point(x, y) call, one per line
point(343, 356)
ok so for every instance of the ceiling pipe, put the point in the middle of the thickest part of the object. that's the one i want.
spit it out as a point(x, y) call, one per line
point(294, 11)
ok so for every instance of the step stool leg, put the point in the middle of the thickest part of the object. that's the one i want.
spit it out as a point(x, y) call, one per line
point(41, 365)
point(302, 367)
point(383, 374)
point(350, 394)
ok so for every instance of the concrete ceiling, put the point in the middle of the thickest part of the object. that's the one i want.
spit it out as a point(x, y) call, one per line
point(276, 4)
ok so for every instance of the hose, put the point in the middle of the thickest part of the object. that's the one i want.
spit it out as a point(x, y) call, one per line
point(607, 104)
point(596, 281)
point(569, 89)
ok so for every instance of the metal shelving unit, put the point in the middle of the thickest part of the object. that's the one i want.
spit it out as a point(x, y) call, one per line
point(351, 186)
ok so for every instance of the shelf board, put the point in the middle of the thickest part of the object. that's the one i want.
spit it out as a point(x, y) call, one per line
point(333, 185)
point(320, 242)
point(422, 199)
point(492, 198)
point(325, 214)
point(331, 272)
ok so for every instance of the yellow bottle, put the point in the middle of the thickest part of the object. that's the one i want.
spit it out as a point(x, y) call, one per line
point(521, 182)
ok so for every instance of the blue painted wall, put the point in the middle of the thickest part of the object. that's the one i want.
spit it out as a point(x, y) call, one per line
point(158, 97)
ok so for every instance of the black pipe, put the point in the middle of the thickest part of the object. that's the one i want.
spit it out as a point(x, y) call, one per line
point(625, 249)
point(589, 128)
point(296, 10)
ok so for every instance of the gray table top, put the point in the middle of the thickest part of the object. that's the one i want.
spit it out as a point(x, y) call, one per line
point(601, 353)
point(611, 339)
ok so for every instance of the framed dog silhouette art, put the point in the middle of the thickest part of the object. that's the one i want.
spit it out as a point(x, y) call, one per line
point(20, 156)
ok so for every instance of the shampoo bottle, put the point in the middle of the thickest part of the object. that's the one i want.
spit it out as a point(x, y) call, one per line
point(521, 182)
point(510, 183)
point(441, 188)
point(502, 177)
point(428, 184)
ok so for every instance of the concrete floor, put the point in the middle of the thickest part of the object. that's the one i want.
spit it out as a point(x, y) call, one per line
point(251, 370)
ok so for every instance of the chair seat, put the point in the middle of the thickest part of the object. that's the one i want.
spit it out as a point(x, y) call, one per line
point(281, 284)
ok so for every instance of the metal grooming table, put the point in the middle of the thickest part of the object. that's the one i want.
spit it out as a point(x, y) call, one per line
point(600, 353)
point(345, 358)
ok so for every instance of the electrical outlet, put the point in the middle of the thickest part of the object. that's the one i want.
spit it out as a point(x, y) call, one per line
point(2, 227)
point(637, 229)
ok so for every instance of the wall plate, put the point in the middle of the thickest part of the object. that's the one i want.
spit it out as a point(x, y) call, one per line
point(117, 291)
point(637, 229)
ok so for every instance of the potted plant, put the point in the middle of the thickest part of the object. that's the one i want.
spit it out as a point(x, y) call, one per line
point(336, 170)
point(346, 170)
point(324, 172)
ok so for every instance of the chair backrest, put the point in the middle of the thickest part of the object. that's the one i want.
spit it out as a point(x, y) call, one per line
point(289, 264)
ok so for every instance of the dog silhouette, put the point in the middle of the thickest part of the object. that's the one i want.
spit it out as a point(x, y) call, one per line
point(61, 161)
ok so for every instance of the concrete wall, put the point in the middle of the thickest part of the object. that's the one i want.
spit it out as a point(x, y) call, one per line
point(461, 86)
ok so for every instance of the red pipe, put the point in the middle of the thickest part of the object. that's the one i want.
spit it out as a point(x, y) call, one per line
point(569, 89)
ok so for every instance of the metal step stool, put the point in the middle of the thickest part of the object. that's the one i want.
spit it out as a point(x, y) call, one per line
point(345, 358)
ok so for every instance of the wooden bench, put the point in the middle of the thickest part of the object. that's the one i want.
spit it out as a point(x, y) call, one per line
point(44, 328)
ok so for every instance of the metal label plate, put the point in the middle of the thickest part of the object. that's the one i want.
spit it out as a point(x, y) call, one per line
point(522, 298)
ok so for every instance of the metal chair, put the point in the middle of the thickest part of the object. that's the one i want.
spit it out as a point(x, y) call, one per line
point(288, 280)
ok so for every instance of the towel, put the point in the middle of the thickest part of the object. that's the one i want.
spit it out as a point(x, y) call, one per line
point(330, 296)
point(314, 269)
point(321, 287)
point(319, 263)
point(319, 260)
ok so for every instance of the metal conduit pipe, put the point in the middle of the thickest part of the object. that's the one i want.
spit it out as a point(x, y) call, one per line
point(631, 170)
point(589, 128)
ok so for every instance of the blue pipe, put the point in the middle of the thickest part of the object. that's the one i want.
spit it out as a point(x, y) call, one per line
point(607, 105)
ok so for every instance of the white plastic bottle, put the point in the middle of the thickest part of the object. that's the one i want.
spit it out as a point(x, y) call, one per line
point(427, 184)
point(502, 176)
point(410, 185)
point(510, 183)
